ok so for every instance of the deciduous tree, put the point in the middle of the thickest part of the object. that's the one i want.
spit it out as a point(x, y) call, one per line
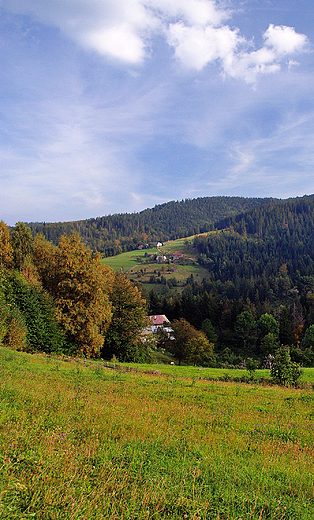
point(189, 344)
point(124, 338)
point(6, 251)
point(79, 285)
point(22, 244)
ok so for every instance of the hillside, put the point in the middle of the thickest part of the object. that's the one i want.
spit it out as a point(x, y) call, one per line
point(265, 253)
point(114, 234)
point(270, 247)
point(248, 265)
point(79, 440)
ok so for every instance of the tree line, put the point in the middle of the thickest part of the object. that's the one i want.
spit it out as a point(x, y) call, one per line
point(114, 234)
point(60, 299)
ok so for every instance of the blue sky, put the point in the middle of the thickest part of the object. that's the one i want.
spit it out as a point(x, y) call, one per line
point(110, 106)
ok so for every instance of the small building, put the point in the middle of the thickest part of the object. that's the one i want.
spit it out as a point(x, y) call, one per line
point(158, 322)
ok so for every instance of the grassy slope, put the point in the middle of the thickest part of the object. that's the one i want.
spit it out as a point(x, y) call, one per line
point(210, 373)
point(85, 442)
point(141, 272)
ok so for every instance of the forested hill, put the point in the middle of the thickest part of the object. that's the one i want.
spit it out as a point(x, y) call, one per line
point(269, 250)
point(292, 216)
point(114, 234)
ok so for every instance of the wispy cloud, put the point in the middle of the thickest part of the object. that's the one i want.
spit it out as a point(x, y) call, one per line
point(116, 105)
point(280, 164)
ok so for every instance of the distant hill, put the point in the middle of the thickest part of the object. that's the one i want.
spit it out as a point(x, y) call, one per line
point(114, 234)
point(266, 253)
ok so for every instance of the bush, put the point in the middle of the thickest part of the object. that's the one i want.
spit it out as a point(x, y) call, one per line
point(251, 365)
point(284, 371)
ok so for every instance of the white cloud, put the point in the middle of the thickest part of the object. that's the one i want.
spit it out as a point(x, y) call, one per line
point(193, 12)
point(248, 65)
point(196, 47)
point(118, 42)
point(195, 29)
point(284, 40)
point(116, 28)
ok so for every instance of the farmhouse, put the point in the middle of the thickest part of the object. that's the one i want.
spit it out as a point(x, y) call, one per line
point(157, 322)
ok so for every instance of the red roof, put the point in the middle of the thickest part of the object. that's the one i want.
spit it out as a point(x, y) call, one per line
point(158, 319)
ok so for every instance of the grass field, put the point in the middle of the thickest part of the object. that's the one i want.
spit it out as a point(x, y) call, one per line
point(193, 372)
point(86, 442)
point(141, 272)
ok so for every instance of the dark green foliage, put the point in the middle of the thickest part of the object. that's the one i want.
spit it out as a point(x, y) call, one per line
point(123, 338)
point(251, 365)
point(267, 324)
point(209, 331)
point(13, 329)
point(265, 254)
point(304, 353)
point(190, 345)
point(36, 307)
point(269, 344)
point(114, 234)
point(246, 331)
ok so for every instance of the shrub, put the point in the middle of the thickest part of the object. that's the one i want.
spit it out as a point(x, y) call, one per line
point(284, 371)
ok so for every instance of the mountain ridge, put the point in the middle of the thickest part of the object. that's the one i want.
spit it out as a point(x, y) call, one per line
point(113, 234)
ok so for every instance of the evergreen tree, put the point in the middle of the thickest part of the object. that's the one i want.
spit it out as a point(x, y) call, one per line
point(284, 371)
point(209, 331)
point(37, 309)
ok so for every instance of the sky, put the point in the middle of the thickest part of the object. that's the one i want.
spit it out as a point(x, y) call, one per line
point(114, 106)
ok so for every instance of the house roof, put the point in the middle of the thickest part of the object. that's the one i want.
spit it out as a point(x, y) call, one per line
point(158, 319)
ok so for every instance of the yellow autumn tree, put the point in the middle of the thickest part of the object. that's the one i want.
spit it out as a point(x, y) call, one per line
point(79, 285)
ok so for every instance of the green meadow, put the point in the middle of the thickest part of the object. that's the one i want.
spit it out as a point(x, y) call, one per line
point(135, 265)
point(81, 441)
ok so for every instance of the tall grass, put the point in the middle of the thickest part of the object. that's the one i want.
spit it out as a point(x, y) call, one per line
point(85, 442)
